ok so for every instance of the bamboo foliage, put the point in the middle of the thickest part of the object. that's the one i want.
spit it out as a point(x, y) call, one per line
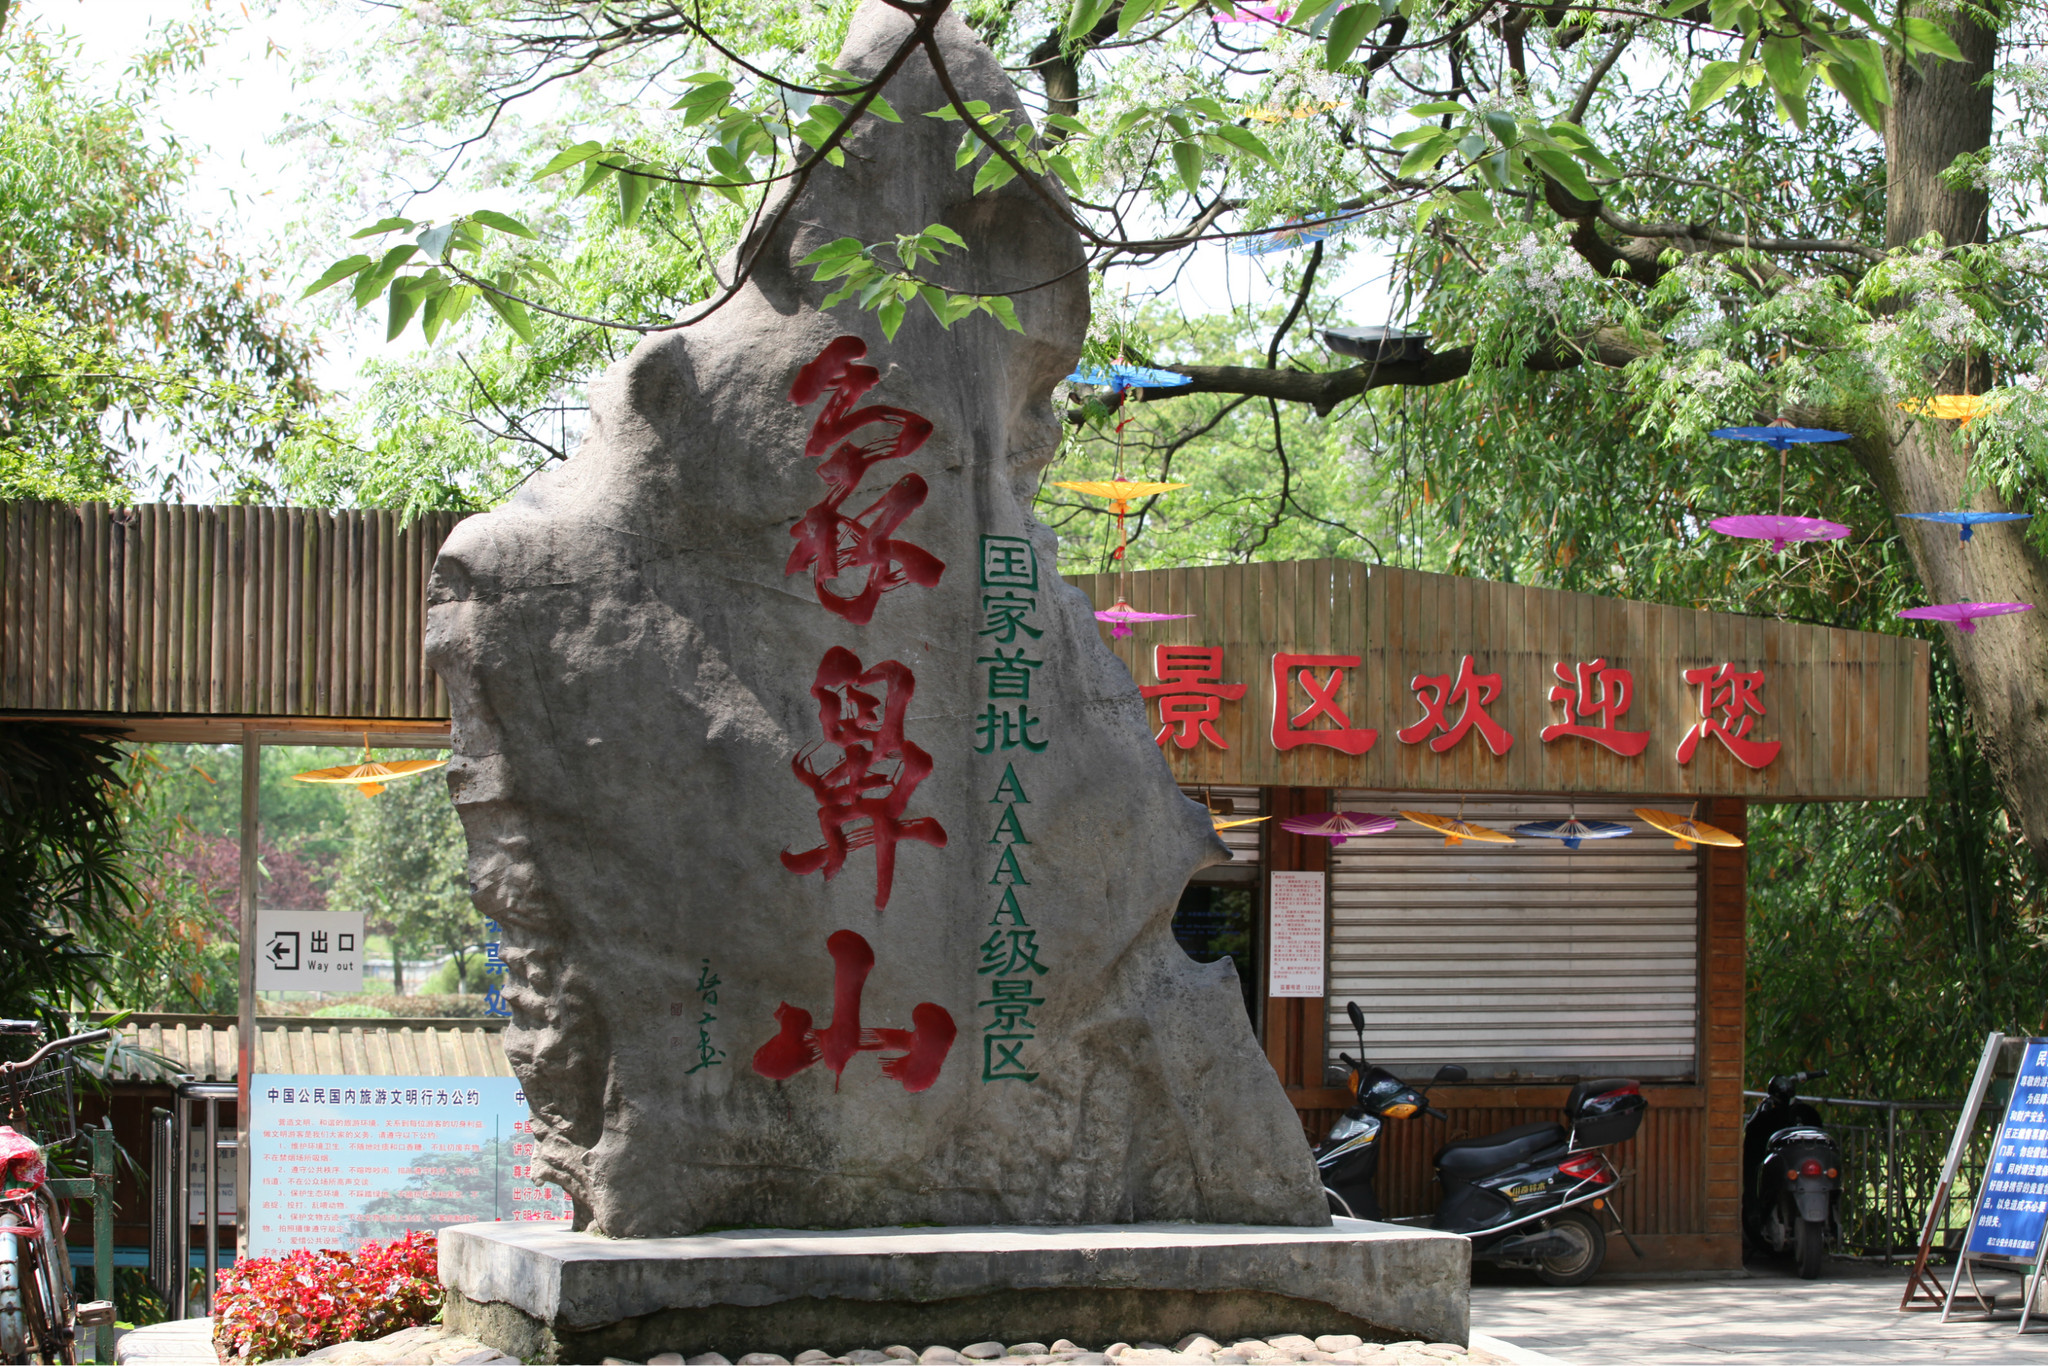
point(226, 611)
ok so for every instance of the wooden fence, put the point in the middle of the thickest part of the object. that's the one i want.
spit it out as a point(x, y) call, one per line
point(227, 611)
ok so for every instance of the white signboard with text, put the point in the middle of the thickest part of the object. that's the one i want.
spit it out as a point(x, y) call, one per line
point(338, 1161)
point(309, 951)
point(1295, 964)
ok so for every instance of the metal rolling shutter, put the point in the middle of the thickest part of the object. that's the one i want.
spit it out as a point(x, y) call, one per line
point(1523, 961)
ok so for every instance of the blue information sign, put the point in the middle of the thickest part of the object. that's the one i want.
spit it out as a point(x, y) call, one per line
point(2012, 1207)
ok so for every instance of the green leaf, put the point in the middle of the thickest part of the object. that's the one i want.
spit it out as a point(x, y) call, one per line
point(1475, 206)
point(372, 281)
point(1785, 65)
point(884, 110)
point(946, 235)
point(708, 101)
point(633, 192)
point(946, 112)
point(1066, 124)
point(382, 226)
point(1425, 157)
point(723, 162)
point(1564, 171)
point(1347, 31)
point(513, 312)
point(1305, 13)
point(1925, 36)
point(491, 218)
point(1436, 108)
point(994, 173)
point(434, 242)
point(1502, 125)
point(599, 172)
point(1246, 141)
point(1187, 159)
point(1713, 82)
point(404, 301)
point(1064, 169)
point(834, 252)
point(1082, 17)
point(1853, 80)
point(571, 156)
point(1134, 13)
point(1003, 310)
point(335, 274)
point(890, 315)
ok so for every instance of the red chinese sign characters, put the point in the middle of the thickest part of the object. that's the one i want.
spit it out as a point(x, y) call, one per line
point(829, 543)
point(1729, 706)
point(862, 797)
point(1191, 693)
point(1596, 689)
point(921, 1049)
point(1291, 730)
point(1472, 693)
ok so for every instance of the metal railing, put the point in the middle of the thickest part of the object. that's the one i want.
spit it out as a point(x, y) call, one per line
point(190, 1151)
point(1892, 1153)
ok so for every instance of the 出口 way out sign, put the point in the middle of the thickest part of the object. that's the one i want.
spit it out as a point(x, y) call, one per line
point(1331, 673)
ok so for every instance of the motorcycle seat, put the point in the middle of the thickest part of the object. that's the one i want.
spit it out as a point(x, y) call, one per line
point(1470, 1157)
point(1800, 1133)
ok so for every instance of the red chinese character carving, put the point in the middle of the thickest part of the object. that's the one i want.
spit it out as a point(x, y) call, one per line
point(1596, 690)
point(1473, 693)
point(862, 797)
point(828, 542)
point(1732, 694)
point(921, 1049)
point(1191, 693)
point(1291, 731)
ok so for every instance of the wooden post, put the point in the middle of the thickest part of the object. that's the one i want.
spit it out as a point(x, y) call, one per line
point(1723, 929)
point(1294, 1024)
point(245, 1040)
point(102, 1142)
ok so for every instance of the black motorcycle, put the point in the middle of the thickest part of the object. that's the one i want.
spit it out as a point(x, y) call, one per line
point(1528, 1197)
point(1792, 1191)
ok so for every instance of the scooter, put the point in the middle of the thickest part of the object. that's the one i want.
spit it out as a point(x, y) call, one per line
point(1527, 1197)
point(1792, 1197)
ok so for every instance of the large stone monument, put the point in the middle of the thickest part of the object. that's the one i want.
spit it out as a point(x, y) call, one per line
point(835, 859)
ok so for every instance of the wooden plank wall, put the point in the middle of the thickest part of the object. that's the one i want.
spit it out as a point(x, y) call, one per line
point(1850, 707)
point(251, 611)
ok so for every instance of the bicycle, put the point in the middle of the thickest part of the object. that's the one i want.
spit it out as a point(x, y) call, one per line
point(39, 1316)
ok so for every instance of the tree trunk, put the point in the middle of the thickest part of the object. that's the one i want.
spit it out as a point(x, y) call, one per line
point(1941, 110)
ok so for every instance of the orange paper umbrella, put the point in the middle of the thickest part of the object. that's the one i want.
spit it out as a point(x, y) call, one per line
point(1119, 492)
point(1456, 829)
point(369, 776)
point(1686, 830)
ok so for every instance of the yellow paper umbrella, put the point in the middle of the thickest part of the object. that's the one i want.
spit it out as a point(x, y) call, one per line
point(1456, 829)
point(1222, 822)
point(1686, 830)
point(1965, 408)
point(369, 776)
point(1120, 492)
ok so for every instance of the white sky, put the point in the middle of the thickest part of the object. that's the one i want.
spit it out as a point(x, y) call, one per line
point(248, 189)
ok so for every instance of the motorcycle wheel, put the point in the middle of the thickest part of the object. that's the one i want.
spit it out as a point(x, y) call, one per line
point(1585, 1259)
point(1810, 1248)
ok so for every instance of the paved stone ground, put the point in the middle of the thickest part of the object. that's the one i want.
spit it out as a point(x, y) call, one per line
point(1847, 1318)
point(1344, 1349)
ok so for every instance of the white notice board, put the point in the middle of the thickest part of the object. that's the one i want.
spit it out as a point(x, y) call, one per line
point(335, 1161)
point(1295, 961)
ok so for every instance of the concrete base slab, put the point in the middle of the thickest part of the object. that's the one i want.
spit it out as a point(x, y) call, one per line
point(543, 1293)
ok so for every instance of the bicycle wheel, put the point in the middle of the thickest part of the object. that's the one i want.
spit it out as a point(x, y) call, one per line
point(47, 1290)
point(15, 1342)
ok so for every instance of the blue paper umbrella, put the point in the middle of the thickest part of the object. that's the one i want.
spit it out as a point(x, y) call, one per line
point(1119, 377)
point(1291, 234)
point(1573, 831)
point(1781, 438)
point(1968, 521)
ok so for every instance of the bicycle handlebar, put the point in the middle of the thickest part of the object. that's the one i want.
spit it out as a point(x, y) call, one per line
point(54, 1046)
point(20, 1027)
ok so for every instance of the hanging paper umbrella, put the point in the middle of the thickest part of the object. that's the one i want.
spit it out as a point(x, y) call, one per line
point(1965, 614)
point(1573, 832)
point(1456, 829)
point(1780, 437)
point(1778, 530)
point(1119, 492)
point(369, 776)
point(1966, 408)
point(1123, 614)
point(1338, 826)
point(1119, 377)
point(1295, 232)
point(1686, 830)
point(1968, 520)
point(1222, 822)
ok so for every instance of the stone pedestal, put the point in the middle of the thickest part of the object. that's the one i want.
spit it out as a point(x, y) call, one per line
point(544, 1293)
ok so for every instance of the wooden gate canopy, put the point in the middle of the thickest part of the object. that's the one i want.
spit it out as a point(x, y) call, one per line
point(1332, 673)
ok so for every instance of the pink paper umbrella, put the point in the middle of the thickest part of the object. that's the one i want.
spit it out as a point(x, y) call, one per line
point(1123, 614)
point(1780, 531)
point(1338, 826)
point(1965, 614)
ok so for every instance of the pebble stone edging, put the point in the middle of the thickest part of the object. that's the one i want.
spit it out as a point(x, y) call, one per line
point(1196, 1348)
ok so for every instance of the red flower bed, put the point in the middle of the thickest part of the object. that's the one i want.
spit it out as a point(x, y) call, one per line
point(272, 1307)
